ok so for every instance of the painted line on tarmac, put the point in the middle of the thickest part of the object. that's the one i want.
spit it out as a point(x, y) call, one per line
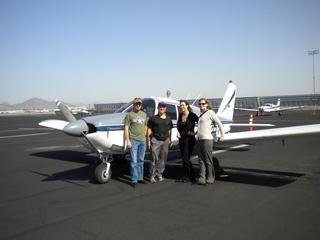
point(24, 135)
point(27, 129)
point(230, 148)
point(53, 148)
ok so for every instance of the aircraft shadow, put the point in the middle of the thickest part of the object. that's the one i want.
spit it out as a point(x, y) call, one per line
point(80, 174)
point(121, 171)
point(260, 177)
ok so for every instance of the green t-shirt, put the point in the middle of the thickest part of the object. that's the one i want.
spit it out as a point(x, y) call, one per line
point(136, 122)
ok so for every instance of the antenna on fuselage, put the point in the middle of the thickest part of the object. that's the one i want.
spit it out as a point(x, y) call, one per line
point(196, 100)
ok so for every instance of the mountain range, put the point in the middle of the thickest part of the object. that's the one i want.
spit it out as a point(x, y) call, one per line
point(31, 104)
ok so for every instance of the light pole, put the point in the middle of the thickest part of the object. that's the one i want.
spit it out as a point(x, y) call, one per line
point(313, 52)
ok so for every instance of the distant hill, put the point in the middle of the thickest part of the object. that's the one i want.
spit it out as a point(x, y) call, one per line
point(31, 104)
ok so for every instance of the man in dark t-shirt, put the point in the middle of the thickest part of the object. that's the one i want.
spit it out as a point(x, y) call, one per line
point(159, 140)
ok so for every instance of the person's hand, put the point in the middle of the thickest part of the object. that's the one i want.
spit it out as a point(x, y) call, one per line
point(191, 133)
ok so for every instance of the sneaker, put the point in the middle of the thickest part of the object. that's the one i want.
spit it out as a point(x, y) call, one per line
point(134, 184)
point(160, 179)
point(152, 180)
point(201, 183)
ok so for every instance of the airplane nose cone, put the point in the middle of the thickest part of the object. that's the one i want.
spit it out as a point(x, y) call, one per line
point(76, 128)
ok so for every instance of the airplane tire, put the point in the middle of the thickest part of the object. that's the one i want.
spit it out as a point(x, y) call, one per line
point(101, 173)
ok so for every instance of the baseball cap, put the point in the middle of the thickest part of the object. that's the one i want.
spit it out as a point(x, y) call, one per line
point(137, 100)
point(162, 104)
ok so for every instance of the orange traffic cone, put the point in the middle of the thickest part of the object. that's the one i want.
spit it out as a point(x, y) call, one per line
point(250, 122)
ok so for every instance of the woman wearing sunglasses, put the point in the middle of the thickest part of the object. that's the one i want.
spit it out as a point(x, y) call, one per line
point(205, 142)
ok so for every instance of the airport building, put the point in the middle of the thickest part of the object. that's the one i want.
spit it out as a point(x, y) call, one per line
point(310, 101)
point(107, 108)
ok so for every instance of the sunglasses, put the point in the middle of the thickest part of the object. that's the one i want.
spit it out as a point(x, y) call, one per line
point(202, 103)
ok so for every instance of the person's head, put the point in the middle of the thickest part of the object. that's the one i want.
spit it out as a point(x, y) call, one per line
point(204, 104)
point(184, 106)
point(137, 102)
point(162, 107)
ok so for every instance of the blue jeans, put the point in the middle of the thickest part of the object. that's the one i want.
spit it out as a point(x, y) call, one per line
point(137, 153)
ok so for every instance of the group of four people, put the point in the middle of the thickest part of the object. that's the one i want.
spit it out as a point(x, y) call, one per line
point(155, 134)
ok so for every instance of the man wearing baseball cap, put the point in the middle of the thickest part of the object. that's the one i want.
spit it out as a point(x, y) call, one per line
point(135, 130)
point(159, 140)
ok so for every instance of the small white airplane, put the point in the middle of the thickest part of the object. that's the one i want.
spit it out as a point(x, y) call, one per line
point(104, 134)
point(75, 111)
point(269, 107)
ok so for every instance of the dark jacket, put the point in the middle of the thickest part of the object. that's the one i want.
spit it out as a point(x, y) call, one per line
point(190, 123)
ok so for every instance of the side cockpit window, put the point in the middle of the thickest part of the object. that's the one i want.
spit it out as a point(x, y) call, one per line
point(172, 111)
point(148, 106)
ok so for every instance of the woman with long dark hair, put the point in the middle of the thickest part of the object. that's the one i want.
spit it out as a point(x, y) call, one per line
point(186, 135)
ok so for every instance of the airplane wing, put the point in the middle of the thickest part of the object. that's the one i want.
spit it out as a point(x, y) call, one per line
point(54, 123)
point(288, 108)
point(252, 125)
point(247, 109)
point(273, 133)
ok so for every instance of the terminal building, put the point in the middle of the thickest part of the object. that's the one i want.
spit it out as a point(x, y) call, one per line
point(309, 101)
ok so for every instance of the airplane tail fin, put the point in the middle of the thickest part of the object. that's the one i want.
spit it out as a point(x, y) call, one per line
point(226, 108)
point(278, 103)
point(65, 111)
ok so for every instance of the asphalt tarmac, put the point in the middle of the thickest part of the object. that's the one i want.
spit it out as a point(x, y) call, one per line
point(48, 190)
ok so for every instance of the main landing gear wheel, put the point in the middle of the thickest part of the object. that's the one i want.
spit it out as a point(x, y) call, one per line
point(101, 173)
point(218, 172)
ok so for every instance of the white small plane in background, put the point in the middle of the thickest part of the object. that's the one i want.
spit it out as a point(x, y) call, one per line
point(270, 107)
point(75, 111)
point(104, 134)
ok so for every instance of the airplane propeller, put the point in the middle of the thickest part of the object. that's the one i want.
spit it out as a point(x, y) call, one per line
point(80, 128)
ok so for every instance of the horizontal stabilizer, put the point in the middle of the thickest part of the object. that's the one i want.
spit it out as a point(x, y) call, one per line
point(53, 123)
point(247, 109)
point(273, 133)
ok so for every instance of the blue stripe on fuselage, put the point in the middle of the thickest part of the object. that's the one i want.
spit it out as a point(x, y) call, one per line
point(110, 128)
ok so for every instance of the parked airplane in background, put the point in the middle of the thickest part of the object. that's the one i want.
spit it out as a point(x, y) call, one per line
point(75, 111)
point(269, 107)
point(104, 134)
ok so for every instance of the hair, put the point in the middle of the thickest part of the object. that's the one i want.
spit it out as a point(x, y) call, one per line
point(187, 103)
point(206, 101)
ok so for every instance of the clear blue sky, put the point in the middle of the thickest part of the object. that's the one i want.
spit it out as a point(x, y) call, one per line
point(112, 51)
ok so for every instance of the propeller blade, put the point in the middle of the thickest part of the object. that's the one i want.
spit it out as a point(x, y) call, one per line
point(65, 111)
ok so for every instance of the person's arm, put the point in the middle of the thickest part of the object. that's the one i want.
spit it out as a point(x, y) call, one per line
point(149, 132)
point(126, 135)
point(169, 138)
point(218, 122)
point(193, 119)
